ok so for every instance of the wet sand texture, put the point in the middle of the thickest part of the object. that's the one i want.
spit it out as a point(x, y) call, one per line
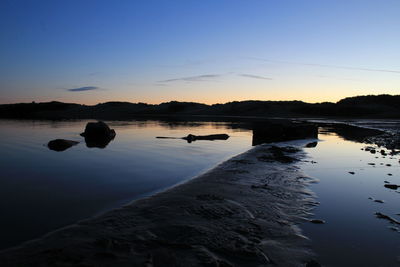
point(242, 213)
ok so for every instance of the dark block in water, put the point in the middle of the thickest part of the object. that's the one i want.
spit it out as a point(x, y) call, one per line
point(285, 131)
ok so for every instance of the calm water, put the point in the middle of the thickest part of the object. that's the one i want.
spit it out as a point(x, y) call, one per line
point(352, 235)
point(42, 190)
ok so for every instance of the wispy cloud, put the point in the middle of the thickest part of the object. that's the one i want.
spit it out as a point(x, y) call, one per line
point(81, 89)
point(254, 76)
point(197, 78)
point(326, 65)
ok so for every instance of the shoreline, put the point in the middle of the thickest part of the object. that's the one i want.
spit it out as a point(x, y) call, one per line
point(243, 211)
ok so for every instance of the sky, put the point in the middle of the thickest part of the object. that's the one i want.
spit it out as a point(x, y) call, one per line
point(208, 51)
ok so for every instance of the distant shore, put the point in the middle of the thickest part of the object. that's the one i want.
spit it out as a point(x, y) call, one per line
point(243, 212)
point(369, 106)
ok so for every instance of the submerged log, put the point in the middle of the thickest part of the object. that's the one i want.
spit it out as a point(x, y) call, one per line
point(191, 137)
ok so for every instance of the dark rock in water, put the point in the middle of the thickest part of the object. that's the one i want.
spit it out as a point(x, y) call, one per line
point(392, 186)
point(316, 221)
point(98, 134)
point(191, 138)
point(98, 129)
point(352, 173)
point(61, 144)
point(379, 201)
point(373, 151)
point(388, 165)
point(313, 263)
point(313, 144)
point(389, 174)
point(276, 132)
point(386, 217)
point(371, 163)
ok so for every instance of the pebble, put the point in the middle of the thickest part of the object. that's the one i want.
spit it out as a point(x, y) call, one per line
point(316, 221)
point(313, 263)
point(392, 186)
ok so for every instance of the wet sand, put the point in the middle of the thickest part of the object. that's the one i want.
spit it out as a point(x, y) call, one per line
point(244, 212)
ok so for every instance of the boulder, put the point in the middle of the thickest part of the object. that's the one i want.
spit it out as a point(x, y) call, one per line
point(98, 134)
point(61, 144)
point(98, 129)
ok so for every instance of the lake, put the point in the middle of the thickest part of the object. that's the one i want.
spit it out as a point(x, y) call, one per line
point(42, 190)
point(353, 235)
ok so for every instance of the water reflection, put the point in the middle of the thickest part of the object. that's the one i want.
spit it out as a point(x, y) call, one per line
point(351, 192)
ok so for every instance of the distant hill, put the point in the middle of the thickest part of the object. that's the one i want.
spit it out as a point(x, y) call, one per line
point(370, 106)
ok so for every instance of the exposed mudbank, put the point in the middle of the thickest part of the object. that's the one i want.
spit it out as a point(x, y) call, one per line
point(243, 212)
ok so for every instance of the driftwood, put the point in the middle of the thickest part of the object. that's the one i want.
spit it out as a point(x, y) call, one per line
point(191, 138)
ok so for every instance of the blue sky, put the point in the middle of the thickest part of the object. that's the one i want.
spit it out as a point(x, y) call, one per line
point(205, 51)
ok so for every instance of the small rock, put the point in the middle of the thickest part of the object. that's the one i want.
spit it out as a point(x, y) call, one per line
point(388, 165)
point(313, 263)
point(352, 173)
point(317, 221)
point(392, 186)
point(371, 163)
point(379, 201)
point(389, 174)
point(61, 144)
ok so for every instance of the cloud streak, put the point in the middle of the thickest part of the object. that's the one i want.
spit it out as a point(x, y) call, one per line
point(327, 66)
point(254, 76)
point(197, 78)
point(82, 89)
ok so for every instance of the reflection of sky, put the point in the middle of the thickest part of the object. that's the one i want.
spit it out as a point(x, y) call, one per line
point(41, 189)
point(207, 51)
point(352, 231)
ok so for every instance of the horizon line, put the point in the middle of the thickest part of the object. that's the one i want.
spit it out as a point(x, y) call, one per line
point(216, 103)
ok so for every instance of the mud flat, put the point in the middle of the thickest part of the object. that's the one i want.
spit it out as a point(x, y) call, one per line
point(243, 212)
